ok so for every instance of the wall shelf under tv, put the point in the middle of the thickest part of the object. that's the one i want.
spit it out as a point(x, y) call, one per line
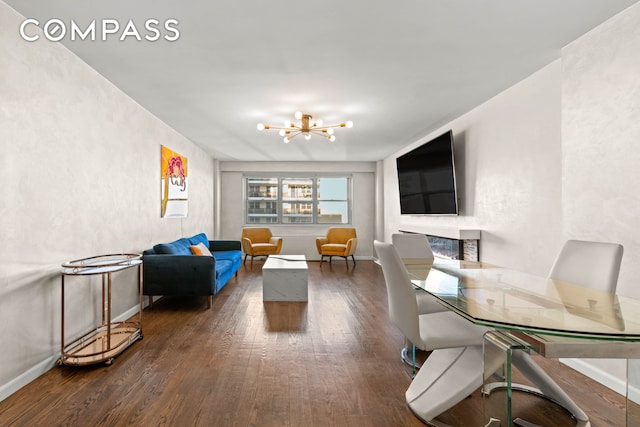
point(451, 242)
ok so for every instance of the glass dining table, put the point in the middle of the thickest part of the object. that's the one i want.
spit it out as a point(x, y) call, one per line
point(532, 313)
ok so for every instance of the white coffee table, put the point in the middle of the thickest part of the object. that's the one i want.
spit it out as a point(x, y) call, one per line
point(284, 278)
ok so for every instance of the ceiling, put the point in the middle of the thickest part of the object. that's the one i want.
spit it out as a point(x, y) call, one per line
point(398, 69)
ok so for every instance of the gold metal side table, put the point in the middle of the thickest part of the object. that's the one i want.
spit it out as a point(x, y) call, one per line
point(109, 339)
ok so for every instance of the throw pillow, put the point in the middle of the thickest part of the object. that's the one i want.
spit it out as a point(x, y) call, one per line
point(200, 249)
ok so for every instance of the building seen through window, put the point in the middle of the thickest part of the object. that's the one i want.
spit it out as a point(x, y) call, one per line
point(297, 200)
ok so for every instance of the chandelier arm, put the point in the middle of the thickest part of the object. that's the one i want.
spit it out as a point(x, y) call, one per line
point(268, 127)
point(317, 132)
point(340, 125)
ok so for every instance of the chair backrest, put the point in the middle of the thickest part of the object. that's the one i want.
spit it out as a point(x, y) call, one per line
point(412, 246)
point(257, 234)
point(403, 307)
point(594, 265)
point(340, 234)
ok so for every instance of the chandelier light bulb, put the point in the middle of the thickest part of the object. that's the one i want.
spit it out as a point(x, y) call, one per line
point(282, 132)
point(261, 126)
point(332, 138)
point(330, 131)
point(349, 124)
point(287, 139)
point(319, 123)
point(307, 136)
point(298, 115)
point(287, 124)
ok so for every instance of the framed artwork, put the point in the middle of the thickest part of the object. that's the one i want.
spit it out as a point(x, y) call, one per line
point(175, 184)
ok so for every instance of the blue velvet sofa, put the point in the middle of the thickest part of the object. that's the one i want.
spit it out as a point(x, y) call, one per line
point(172, 268)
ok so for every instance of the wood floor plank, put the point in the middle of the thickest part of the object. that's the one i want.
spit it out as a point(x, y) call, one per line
point(332, 361)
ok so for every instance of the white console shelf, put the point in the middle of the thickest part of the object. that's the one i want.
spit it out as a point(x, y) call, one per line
point(444, 232)
point(467, 240)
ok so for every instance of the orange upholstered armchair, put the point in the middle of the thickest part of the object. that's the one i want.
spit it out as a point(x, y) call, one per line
point(339, 241)
point(258, 241)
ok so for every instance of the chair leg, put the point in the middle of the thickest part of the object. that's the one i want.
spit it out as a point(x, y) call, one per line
point(413, 363)
point(245, 259)
point(150, 301)
point(209, 301)
point(354, 260)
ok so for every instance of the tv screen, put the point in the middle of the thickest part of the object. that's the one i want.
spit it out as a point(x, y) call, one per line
point(427, 179)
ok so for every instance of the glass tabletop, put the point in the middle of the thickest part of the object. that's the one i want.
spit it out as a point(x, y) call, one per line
point(508, 299)
point(101, 264)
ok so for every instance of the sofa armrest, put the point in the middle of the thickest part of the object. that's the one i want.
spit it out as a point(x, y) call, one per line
point(188, 275)
point(224, 245)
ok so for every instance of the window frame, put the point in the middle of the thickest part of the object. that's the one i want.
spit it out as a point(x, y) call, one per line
point(280, 200)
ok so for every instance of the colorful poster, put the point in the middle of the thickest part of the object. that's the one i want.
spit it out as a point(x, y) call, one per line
point(173, 168)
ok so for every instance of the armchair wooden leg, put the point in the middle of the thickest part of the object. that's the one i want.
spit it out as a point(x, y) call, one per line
point(245, 259)
point(354, 260)
point(150, 301)
point(209, 301)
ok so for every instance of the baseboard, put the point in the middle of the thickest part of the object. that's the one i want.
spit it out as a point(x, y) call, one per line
point(25, 378)
point(39, 369)
point(127, 314)
point(597, 374)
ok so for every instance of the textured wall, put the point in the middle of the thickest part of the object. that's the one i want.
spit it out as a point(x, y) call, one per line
point(601, 139)
point(80, 164)
point(508, 169)
point(601, 149)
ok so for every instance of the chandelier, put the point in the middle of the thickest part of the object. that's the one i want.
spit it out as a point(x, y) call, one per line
point(306, 128)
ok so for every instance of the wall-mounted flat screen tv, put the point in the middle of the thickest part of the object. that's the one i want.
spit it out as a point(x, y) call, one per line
point(427, 178)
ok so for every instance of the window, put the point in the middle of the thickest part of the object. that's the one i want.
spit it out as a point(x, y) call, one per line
point(262, 201)
point(297, 200)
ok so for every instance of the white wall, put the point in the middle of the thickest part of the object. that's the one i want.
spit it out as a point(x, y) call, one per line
point(601, 145)
point(300, 239)
point(554, 157)
point(508, 170)
point(601, 139)
point(81, 176)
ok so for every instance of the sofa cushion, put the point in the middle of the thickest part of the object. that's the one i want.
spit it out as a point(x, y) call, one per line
point(222, 266)
point(334, 249)
point(178, 247)
point(233, 256)
point(200, 249)
point(199, 238)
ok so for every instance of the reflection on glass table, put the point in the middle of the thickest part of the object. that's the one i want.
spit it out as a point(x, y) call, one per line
point(554, 318)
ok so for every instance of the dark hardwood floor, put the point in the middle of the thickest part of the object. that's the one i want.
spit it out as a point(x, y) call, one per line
point(333, 361)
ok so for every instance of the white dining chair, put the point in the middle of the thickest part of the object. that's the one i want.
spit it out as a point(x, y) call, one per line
point(412, 245)
point(454, 368)
point(594, 265)
point(414, 249)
